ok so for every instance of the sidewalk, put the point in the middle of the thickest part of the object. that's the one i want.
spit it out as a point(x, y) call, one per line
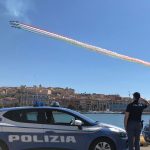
point(145, 148)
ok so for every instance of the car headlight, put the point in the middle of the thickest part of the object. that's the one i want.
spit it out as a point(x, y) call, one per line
point(120, 133)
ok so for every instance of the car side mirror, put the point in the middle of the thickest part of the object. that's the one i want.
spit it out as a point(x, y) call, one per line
point(78, 123)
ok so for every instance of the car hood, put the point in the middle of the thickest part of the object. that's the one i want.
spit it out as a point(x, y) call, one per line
point(103, 126)
point(111, 127)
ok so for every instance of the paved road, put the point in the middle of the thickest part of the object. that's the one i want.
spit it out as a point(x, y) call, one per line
point(145, 148)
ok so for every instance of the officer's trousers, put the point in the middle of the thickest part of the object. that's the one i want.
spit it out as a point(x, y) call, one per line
point(133, 131)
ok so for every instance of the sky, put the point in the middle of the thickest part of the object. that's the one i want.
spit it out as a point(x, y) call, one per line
point(31, 59)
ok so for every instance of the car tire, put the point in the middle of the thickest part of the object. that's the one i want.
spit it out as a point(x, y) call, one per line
point(3, 146)
point(103, 144)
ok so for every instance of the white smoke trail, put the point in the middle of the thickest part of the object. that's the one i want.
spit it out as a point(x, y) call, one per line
point(81, 44)
point(16, 8)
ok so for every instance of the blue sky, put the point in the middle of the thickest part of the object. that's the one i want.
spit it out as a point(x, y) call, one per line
point(31, 59)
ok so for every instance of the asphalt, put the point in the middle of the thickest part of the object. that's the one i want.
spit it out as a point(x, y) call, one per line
point(145, 147)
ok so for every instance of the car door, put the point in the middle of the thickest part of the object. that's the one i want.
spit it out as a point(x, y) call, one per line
point(60, 133)
point(25, 130)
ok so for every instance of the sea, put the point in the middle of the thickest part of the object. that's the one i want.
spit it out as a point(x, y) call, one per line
point(114, 119)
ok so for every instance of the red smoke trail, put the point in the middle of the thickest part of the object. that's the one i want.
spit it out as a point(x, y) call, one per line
point(78, 43)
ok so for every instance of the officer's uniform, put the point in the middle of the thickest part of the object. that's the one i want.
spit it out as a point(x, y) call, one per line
point(134, 124)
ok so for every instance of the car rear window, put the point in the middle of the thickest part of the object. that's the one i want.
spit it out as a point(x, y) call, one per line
point(14, 115)
point(25, 116)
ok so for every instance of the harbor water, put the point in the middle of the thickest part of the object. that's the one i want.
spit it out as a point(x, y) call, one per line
point(114, 119)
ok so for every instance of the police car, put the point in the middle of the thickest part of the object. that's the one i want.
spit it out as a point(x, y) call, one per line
point(146, 132)
point(56, 128)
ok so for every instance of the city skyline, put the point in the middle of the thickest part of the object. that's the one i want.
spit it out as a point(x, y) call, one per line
point(66, 97)
point(40, 86)
point(30, 59)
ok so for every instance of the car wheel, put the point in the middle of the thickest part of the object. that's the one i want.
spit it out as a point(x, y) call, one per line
point(3, 146)
point(103, 144)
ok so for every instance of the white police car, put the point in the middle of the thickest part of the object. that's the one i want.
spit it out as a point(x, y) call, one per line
point(56, 128)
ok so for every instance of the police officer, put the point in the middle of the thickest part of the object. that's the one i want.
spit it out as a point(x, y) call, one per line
point(132, 120)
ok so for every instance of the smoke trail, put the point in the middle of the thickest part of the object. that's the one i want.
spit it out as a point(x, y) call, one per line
point(78, 43)
point(16, 8)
